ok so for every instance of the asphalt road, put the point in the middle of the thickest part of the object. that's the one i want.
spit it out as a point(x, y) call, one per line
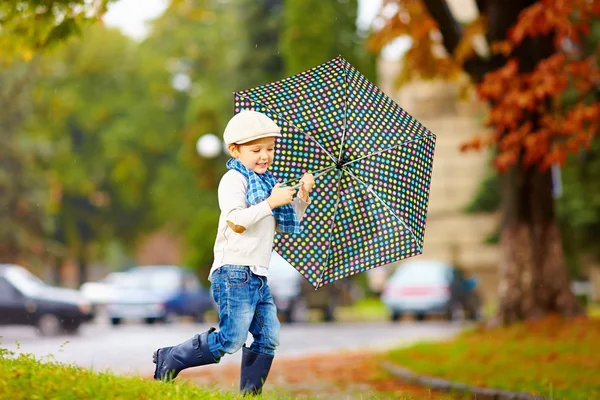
point(128, 349)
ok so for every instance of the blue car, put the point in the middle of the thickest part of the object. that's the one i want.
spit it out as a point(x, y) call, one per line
point(159, 293)
point(425, 287)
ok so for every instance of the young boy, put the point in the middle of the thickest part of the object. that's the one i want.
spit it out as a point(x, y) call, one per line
point(253, 206)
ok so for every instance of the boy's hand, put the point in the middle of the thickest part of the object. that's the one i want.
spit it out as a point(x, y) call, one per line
point(307, 182)
point(280, 196)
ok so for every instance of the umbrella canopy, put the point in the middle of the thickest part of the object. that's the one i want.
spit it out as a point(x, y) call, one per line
point(374, 164)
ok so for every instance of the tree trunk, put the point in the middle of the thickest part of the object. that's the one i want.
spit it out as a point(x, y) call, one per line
point(82, 263)
point(56, 271)
point(533, 277)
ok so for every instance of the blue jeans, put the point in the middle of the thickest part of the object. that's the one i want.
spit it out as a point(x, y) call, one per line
point(245, 305)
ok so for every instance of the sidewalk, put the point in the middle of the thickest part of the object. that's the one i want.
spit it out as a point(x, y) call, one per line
point(347, 375)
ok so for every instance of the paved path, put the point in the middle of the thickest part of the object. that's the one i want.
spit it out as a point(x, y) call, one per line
point(128, 348)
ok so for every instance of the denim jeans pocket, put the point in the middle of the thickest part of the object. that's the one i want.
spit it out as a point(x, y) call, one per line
point(216, 292)
point(237, 278)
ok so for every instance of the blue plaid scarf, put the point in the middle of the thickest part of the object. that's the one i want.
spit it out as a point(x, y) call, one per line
point(259, 188)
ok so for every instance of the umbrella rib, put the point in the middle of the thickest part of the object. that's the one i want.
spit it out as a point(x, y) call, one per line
point(289, 122)
point(337, 204)
point(386, 206)
point(317, 174)
point(390, 148)
point(345, 112)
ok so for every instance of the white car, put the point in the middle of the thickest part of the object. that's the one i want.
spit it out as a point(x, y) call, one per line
point(104, 291)
point(425, 287)
point(285, 284)
point(294, 295)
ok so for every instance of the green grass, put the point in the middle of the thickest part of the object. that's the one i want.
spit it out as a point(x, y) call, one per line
point(25, 377)
point(367, 309)
point(490, 308)
point(372, 309)
point(553, 358)
point(22, 376)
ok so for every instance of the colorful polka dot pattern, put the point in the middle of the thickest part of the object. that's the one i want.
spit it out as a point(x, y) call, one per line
point(308, 251)
point(375, 122)
point(365, 233)
point(401, 178)
point(296, 154)
point(372, 211)
point(312, 101)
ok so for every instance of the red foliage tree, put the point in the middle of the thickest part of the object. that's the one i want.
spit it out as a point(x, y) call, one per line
point(533, 57)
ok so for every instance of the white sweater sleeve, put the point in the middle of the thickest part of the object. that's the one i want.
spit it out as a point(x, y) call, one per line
point(233, 204)
point(300, 207)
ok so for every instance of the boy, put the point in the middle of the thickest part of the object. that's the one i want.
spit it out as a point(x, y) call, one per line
point(253, 206)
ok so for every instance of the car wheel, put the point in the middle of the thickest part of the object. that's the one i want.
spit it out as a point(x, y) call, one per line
point(199, 317)
point(71, 327)
point(455, 312)
point(49, 325)
point(150, 321)
point(115, 321)
point(329, 313)
point(170, 318)
point(474, 314)
point(298, 311)
point(473, 308)
point(396, 315)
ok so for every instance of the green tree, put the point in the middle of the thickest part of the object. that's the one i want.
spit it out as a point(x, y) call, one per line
point(579, 208)
point(218, 47)
point(316, 31)
point(197, 41)
point(579, 205)
point(24, 218)
point(222, 47)
point(28, 26)
point(109, 116)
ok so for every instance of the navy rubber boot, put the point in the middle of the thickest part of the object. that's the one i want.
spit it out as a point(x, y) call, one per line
point(170, 361)
point(255, 369)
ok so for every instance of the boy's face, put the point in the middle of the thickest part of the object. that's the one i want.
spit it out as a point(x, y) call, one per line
point(256, 155)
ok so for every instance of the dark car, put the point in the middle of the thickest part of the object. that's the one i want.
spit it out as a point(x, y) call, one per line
point(27, 300)
point(158, 293)
point(425, 287)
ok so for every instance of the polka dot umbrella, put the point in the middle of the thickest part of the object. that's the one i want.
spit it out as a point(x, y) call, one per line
point(373, 162)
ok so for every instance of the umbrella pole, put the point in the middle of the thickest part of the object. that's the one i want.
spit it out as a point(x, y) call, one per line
point(321, 173)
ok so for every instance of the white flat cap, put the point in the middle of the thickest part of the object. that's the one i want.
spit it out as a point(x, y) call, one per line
point(249, 125)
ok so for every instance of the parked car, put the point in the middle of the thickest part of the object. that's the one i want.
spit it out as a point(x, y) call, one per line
point(425, 287)
point(159, 293)
point(102, 291)
point(294, 295)
point(27, 300)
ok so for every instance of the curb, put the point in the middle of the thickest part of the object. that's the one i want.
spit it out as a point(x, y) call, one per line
point(442, 385)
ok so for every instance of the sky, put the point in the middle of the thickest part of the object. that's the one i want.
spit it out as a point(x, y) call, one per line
point(130, 16)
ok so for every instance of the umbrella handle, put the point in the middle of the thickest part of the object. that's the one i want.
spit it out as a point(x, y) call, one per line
point(323, 172)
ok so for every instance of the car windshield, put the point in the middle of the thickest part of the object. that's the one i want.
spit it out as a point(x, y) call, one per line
point(421, 273)
point(151, 280)
point(25, 281)
point(113, 278)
